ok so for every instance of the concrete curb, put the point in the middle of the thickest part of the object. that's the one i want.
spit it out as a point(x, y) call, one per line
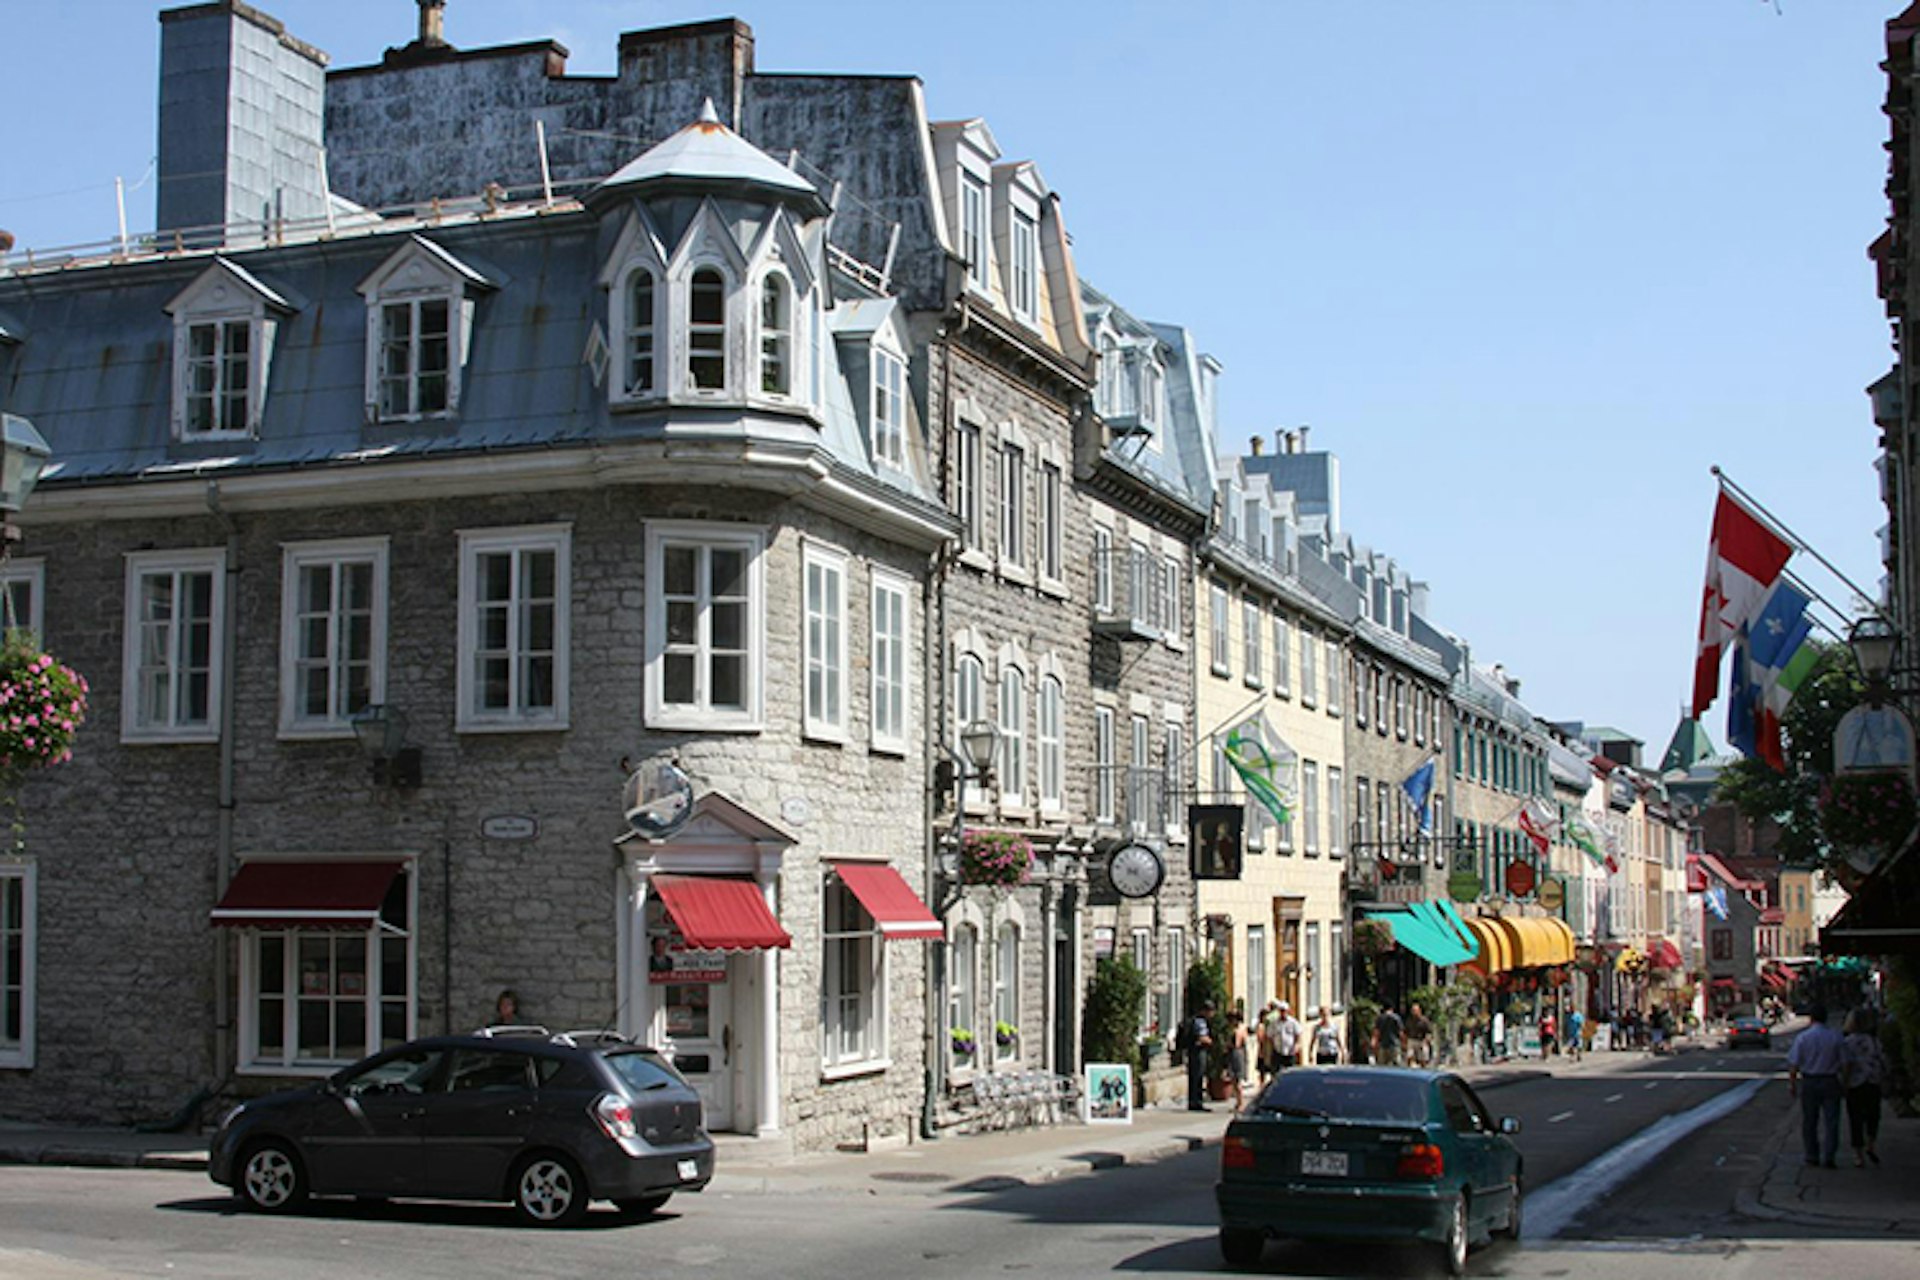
point(104, 1158)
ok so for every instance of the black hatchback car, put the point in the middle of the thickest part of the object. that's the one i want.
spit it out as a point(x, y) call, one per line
point(546, 1121)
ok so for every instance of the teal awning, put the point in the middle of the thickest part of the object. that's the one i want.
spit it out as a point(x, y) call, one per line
point(1433, 931)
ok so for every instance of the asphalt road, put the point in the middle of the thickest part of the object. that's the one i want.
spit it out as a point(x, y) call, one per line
point(1669, 1220)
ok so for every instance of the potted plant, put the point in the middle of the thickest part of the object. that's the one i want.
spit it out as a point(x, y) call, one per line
point(1110, 1020)
point(42, 705)
point(961, 1041)
point(1000, 858)
point(1005, 1034)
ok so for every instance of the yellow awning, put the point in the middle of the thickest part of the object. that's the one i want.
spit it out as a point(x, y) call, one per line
point(1538, 941)
point(1496, 951)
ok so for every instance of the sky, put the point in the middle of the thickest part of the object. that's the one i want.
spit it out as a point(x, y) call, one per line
point(1528, 267)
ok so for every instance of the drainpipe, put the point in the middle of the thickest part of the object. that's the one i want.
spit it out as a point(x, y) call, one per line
point(223, 837)
point(933, 643)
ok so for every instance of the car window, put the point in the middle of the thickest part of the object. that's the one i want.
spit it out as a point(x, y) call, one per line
point(1480, 1109)
point(476, 1070)
point(408, 1071)
point(1349, 1095)
point(643, 1069)
point(545, 1069)
point(1460, 1113)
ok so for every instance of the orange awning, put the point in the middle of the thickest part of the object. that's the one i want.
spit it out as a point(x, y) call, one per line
point(715, 914)
point(890, 900)
point(305, 895)
point(1538, 941)
point(1496, 952)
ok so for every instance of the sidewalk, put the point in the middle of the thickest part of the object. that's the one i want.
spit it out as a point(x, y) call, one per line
point(1883, 1198)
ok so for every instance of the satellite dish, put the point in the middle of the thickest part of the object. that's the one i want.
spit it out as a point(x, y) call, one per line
point(657, 799)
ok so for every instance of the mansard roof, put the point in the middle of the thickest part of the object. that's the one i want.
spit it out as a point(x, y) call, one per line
point(706, 155)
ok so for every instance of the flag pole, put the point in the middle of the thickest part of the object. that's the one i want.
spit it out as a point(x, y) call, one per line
point(1800, 583)
point(1753, 504)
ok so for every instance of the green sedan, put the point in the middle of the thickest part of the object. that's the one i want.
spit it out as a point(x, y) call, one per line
point(1368, 1154)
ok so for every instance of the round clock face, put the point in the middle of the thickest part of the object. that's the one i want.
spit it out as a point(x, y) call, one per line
point(1136, 871)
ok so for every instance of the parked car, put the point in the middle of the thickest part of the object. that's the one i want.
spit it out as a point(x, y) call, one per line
point(548, 1122)
point(1368, 1154)
point(1748, 1030)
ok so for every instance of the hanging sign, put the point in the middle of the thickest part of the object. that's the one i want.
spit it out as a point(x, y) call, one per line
point(1519, 879)
point(1870, 739)
point(1553, 893)
point(1463, 886)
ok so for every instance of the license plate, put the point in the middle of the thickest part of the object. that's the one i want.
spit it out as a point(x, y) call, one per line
point(690, 1169)
point(1330, 1164)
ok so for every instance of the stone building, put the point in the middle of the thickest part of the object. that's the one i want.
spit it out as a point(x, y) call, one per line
point(551, 490)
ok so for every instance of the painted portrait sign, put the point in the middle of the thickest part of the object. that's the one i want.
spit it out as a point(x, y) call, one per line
point(1108, 1098)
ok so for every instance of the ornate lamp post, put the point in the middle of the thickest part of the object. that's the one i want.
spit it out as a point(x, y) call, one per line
point(23, 456)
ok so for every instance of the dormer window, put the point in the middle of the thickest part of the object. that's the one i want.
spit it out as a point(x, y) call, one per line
point(415, 343)
point(223, 326)
point(776, 335)
point(1023, 278)
point(889, 408)
point(707, 330)
point(419, 326)
point(973, 228)
point(219, 377)
point(640, 330)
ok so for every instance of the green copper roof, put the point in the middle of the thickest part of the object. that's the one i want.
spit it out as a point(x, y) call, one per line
point(1690, 745)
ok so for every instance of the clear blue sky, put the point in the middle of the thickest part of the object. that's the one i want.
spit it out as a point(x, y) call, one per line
point(1528, 267)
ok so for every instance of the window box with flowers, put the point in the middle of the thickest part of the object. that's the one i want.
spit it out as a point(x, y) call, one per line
point(1867, 815)
point(995, 858)
point(961, 1041)
point(1005, 1034)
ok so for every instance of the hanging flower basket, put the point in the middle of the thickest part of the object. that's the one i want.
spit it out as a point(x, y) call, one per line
point(995, 857)
point(1372, 938)
point(1867, 812)
point(42, 705)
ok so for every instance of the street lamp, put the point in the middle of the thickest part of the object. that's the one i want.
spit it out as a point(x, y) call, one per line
point(979, 744)
point(382, 731)
point(1875, 644)
point(23, 455)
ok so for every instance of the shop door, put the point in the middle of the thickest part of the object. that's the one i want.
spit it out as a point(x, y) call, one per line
point(700, 1035)
point(1286, 928)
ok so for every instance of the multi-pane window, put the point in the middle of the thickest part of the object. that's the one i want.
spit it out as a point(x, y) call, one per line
point(1250, 618)
point(1336, 810)
point(18, 910)
point(217, 395)
point(22, 593)
point(1362, 809)
point(1420, 696)
point(1172, 760)
point(515, 587)
point(174, 605)
point(1013, 504)
point(1140, 585)
point(1051, 744)
point(1335, 671)
point(707, 330)
point(967, 482)
point(416, 357)
point(969, 694)
point(1013, 736)
point(1051, 532)
point(1310, 964)
point(1257, 967)
point(333, 633)
point(889, 408)
point(1309, 668)
point(973, 228)
point(1103, 764)
point(704, 626)
point(1399, 707)
point(963, 959)
point(1142, 951)
point(776, 335)
point(1222, 656)
point(1310, 806)
point(315, 998)
point(1023, 277)
point(1138, 762)
point(825, 573)
point(1379, 679)
point(1171, 597)
point(1282, 656)
point(891, 654)
point(1006, 990)
point(852, 999)
point(1342, 962)
point(1103, 569)
point(640, 331)
point(1176, 1003)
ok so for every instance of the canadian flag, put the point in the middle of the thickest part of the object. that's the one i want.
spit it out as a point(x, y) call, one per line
point(1743, 559)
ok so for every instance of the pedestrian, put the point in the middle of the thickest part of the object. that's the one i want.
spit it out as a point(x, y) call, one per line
point(1193, 1040)
point(1326, 1040)
point(506, 1008)
point(1267, 1055)
point(1419, 1037)
point(1576, 1025)
point(1388, 1033)
point(1237, 1056)
point(1286, 1039)
point(1549, 1028)
point(1862, 1073)
point(1813, 1076)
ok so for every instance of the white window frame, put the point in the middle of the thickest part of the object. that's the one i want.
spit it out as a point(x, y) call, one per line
point(297, 558)
point(1310, 808)
point(1052, 533)
point(469, 716)
point(1050, 742)
point(1106, 786)
point(868, 1052)
point(1259, 967)
point(1282, 656)
point(629, 329)
point(1176, 979)
point(776, 345)
point(891, 694)
point(1173, 748)
point(963, 988)
point(1006, 988)
point(20, 878)
point(1013, 504)
point(1011, 702)
point(825, 681)
point(701, 714)
point(689, 384)
point(250, 314)
point(889, 408)
point(1023, 269)
point(134, 727)
point(1310, 964)
point(1171, 578)
point(1140, 948)
point(1139, 762)
point(1102, 569)
point(28, 575)
point(1221, 649)
point(1335, 670)
point(969, 489)
point(976, 229)
point(253, 1062)
point(1309, 668)
point(1250, 629)
point(969, 693)
point(412, 302)
point(1336, 809)
point(1337, 948)
point(420, 273)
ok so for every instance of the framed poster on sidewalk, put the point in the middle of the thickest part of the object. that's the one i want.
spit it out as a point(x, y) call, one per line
point(1108, 1096)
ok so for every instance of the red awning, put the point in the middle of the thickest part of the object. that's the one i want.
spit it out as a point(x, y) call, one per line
point(890, 900)
point(306, 895)
point(720, 915)
point(1662, 954)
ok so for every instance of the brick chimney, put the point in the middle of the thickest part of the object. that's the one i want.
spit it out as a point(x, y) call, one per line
point(433, 22)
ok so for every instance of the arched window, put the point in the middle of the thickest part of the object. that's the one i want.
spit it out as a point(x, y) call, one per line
point(961, 960)
point(968, 696)
point(776, 336)
point(1013, 743)
point(640, 333)
point(1006, 991)
point(707, 330)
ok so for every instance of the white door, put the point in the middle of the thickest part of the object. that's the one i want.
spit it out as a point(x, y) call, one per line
point(700, 1033)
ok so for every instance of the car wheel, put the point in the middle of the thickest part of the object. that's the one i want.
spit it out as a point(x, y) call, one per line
point(1453, 1250)
point(1241, 1247)
point(643, 1206)
point(271, 1179)
point(1511, 1231)
point(549, 1191)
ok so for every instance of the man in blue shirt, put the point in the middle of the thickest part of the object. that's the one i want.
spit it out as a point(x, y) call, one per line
point(1813, 1075)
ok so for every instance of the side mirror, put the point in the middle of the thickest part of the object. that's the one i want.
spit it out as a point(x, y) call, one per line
point(1509, 1124)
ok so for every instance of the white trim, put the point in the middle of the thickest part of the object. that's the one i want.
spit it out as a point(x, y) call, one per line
point(32, 571)
point(885, 580)
point(835, 667)
point(474, 543)
point(296, 556)
point(21, 1056)
point(141, 565)
point(700, 715)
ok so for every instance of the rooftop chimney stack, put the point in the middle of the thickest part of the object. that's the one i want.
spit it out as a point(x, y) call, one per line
point(433, 22)
point(1258, 444)
point(1303, 438)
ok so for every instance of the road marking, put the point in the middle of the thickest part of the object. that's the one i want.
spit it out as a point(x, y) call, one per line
point(1564, 1115)
point(1553, 1208)
point(1653, 1084)
point(1613, 1097)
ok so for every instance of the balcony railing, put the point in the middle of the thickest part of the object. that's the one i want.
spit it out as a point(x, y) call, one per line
point(1129, 594)
point(1128, 800)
